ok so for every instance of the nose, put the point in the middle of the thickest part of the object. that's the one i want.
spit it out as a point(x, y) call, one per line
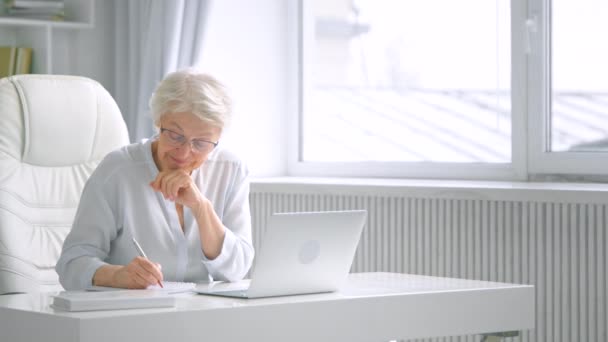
point(184, 150)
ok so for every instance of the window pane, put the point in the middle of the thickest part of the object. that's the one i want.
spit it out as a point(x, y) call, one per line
point(407, 81)
point(579, 108)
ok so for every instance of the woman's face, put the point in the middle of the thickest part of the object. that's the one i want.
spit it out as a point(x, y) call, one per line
point(185, 142)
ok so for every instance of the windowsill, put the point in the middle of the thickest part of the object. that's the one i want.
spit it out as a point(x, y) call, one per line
point(498, 190)
point(431, 183)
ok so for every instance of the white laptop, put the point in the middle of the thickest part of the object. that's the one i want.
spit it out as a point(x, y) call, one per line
point(301, 253)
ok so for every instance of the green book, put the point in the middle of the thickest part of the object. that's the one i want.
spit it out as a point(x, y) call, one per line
point(8, 60)
point(23, 63)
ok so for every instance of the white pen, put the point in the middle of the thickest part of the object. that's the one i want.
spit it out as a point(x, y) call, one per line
point(142, 254)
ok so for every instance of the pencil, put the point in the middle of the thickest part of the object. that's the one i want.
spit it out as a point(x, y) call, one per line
point(143, 255)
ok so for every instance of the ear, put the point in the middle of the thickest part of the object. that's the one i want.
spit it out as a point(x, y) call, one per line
point(157, 126)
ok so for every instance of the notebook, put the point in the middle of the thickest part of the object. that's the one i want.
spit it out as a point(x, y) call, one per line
point(168, 287)
point(112, 300)
point(301, 253)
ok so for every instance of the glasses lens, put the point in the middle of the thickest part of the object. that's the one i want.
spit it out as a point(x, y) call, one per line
point(174, 138)
point(201, 146)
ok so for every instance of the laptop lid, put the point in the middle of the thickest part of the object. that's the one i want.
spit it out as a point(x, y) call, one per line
point(307, 252)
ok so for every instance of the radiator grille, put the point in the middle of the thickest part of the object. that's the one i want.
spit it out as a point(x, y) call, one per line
point(558, 247)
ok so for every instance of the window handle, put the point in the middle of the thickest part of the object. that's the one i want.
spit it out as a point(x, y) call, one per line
point(530, 30)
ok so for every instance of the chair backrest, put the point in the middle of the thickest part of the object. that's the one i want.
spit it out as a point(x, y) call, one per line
point(54, 131)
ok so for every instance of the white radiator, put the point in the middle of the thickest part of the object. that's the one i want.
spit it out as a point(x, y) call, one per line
point(559, 247)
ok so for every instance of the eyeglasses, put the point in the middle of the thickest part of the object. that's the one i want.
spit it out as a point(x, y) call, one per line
point(198, 145)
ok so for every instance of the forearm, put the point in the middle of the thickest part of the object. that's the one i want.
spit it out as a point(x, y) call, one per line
point(76, 270)
point(211, 229)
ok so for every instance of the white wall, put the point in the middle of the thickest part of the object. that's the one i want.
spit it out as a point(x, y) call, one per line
point(90, 52)
point(246, 48)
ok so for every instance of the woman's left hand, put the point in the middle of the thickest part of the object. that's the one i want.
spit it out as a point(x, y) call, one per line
point(178, 186)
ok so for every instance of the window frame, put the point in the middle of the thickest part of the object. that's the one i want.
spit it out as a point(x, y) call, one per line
point(541, 159)
point(529, 103)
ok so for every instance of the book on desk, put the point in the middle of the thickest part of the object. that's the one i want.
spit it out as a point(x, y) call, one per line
point(108, 298)
point(112, 300)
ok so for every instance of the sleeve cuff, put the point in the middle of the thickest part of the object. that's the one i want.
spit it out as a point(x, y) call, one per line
point(89, 272)
point(220, 260)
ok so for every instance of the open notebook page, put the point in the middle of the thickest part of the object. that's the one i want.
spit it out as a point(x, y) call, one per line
point(168, 287)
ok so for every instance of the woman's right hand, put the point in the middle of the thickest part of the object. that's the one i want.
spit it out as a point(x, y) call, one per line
point(138, 274)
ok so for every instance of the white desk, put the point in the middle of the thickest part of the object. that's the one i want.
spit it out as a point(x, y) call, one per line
point(371, 307)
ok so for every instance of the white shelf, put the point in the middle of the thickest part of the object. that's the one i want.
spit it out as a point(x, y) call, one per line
point(45, 35)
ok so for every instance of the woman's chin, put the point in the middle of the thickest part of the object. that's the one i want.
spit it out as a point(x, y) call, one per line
point(178, 167)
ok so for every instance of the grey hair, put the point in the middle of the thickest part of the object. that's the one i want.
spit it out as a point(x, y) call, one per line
point(193, 92)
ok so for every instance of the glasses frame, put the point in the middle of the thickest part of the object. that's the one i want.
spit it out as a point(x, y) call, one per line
point(186, 140)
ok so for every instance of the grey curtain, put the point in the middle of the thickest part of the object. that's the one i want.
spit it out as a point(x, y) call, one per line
point(153, 38)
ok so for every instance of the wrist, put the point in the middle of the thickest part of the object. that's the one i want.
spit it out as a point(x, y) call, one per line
point(106, 275)
point(201, 206)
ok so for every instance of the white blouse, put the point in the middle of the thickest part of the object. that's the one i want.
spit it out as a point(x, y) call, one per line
point(118, 204)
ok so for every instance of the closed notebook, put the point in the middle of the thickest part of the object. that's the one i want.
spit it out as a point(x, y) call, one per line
point(112, 300)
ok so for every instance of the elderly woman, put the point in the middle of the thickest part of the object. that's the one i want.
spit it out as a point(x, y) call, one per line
point(179, 195)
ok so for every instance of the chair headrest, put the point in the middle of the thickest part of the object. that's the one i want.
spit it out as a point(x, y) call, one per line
point(54, 120)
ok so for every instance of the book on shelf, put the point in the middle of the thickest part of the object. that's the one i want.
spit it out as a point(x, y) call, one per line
point(48, 17)
point(112, 300)
point(33, 11)
point(49, 4)
point(15, 60)
point(8, 60)
point(24, 61)
point(42, 10)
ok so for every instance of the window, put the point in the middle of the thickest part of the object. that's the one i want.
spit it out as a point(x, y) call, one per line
point(449, 89)
point(579, 76)
point(568, 81)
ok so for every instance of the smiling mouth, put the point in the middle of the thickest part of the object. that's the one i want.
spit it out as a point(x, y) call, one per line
point(179, 162)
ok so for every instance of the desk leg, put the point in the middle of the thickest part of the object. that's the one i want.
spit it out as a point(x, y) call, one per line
point(496, 337)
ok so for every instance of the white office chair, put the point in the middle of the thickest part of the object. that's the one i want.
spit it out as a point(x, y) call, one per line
point(54, 130)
